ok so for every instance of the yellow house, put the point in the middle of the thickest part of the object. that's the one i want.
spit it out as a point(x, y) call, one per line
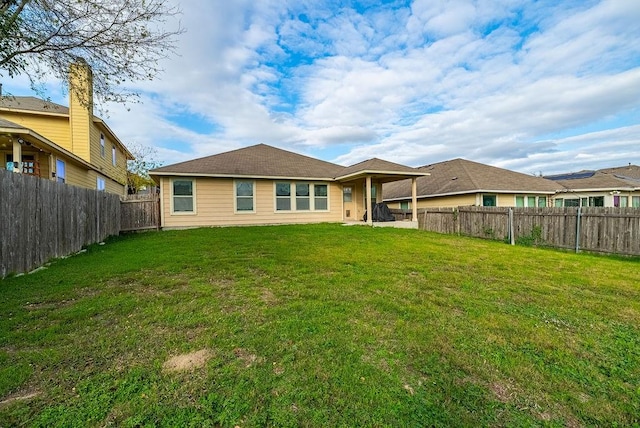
point(460, 182)
point(265, 185)
point(66, 144)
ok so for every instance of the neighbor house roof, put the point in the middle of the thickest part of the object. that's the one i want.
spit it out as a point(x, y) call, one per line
point(39, 106)
point(259, 161)
point(620, 178)
point(4, 123)
point(460, 176)
point(32, 104)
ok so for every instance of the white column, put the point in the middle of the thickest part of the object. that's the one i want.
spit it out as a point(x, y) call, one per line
point(17, 156)
point(368, 207)
point(414, 199)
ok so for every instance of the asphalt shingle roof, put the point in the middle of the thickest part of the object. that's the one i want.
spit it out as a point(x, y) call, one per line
point(459, 176)
point(32, 104)
point(602, 179)
point(378, 165)
point(4, 123)
point(260, 160)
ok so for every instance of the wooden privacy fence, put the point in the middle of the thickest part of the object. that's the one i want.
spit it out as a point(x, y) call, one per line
point(140, 212)
point(42, 219)
point(604, 230)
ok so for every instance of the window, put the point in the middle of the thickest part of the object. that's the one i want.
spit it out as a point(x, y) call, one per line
point(596, 201)
point(308, 197)
point(61, 173)
point(100, 184)
point(404, 205)
point(347, 194)
point(283, 196)
point(531, 201)
point(572, 202)
point(102, 145)
point(624, 201)
point(489, 200)
point(182, 196)
point(113, 155)
point(244, 196)
point(321, 199)
point(303, 199)
point(635, 201)
point(558, 202)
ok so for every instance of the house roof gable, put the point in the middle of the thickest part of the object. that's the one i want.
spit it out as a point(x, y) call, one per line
point(259, 160)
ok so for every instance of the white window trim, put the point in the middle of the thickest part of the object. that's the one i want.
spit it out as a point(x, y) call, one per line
point(193, 190)
point(113, 155)
point(102, 146)
point(235, 197)
point(99, 180)
point(292, 197)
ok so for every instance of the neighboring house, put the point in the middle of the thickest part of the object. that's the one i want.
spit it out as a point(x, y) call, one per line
point(609, 187)
point(265, 185)
point(66, 144)
point(460, 182)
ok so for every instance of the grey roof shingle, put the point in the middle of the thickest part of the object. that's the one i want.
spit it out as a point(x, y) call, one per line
point(32, 104)
point(459, 176)
point(603, 179)
point(379, 166)
point(4, 123)
point(260, 160)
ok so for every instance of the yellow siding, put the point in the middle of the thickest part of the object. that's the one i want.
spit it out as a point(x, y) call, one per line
point(214, 205)
point(53, 128)
point(104, 163)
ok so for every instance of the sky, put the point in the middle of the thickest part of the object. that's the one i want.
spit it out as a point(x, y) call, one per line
point(538, 87)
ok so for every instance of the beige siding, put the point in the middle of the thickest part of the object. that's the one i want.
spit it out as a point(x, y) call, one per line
point(214, 206)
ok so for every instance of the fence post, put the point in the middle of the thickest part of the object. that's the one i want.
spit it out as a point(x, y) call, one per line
point(578, 226)
point(512, 239)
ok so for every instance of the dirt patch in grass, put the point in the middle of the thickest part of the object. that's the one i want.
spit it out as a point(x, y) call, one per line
point(20, 397)
point(186, 362)
point(501, 391)
point(268, 297)
point(247, 357)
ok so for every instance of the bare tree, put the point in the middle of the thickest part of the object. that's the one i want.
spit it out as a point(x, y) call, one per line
point(121, 40)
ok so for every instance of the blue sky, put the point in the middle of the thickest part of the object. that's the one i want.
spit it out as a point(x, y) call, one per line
point(532, 86)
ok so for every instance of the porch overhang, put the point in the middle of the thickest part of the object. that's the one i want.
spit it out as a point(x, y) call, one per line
point(379, 171)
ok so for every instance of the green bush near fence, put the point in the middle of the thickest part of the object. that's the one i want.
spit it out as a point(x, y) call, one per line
point(321, 325)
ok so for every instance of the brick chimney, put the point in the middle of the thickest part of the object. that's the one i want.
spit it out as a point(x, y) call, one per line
point(81, 108)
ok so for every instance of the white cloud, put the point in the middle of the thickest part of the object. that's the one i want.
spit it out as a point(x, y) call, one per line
point(506, 82)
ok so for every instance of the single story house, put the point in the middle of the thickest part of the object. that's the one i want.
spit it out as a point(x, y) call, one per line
point(609, 187)
point(262, 184)
point(461, 182)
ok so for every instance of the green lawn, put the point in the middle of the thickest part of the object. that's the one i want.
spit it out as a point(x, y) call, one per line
point(321, 325)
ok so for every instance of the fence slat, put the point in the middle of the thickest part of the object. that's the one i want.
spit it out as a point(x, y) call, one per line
point(602, 230)
point(42, 219)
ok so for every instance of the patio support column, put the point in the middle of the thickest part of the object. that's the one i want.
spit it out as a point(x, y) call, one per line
point(368, 207)
point(17, 156)
point(414, 199)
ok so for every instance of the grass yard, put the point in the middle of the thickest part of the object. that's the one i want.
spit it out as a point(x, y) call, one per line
point(321, 325)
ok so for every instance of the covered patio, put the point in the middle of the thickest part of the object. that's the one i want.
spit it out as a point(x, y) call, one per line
point(362, 189)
